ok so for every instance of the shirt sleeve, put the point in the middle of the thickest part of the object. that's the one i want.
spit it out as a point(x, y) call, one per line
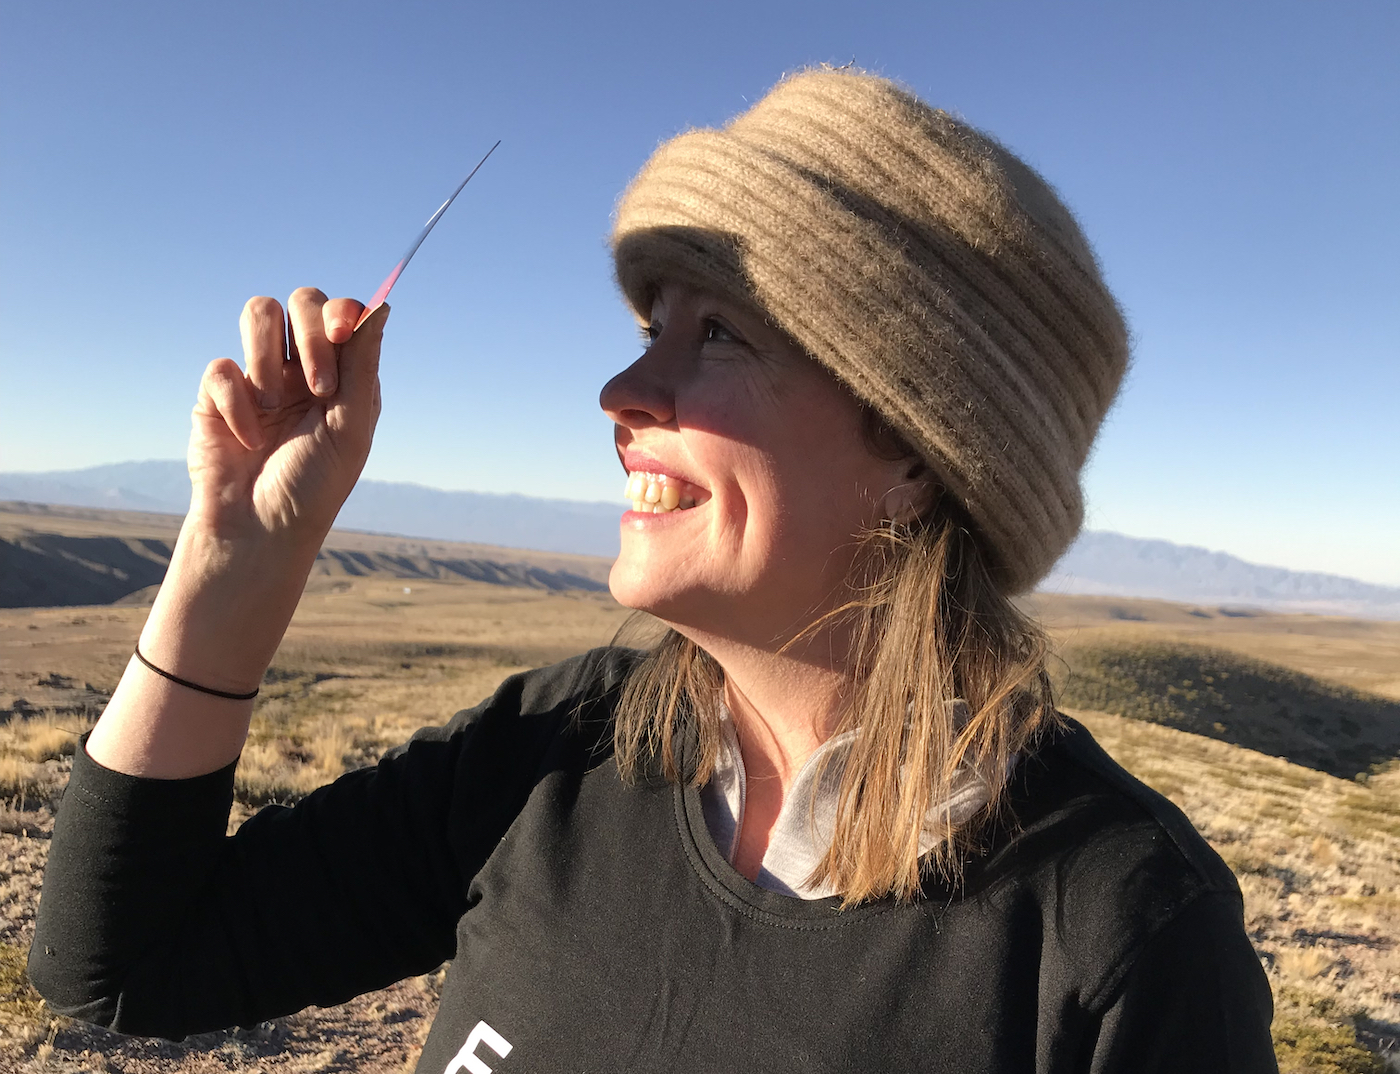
point(154, 922)
point(1196, 998)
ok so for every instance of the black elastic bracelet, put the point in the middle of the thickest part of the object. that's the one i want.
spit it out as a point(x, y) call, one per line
point(193, 685)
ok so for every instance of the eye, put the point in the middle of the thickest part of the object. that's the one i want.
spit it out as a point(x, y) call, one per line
point(648, 333)
point(717, 332)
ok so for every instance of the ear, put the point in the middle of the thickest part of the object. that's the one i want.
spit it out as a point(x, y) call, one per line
point(912, 495)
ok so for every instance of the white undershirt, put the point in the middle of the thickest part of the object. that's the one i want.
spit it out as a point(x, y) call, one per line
point(807, 820)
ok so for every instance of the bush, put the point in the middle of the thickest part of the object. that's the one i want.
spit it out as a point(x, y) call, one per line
point(1303, 1048)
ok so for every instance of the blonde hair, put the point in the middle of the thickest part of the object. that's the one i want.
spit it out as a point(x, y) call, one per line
point(929, 625)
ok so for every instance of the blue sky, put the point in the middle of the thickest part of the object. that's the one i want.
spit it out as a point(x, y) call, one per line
point(1233, 163)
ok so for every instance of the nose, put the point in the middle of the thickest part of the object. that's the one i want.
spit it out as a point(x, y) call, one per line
point(642, 395)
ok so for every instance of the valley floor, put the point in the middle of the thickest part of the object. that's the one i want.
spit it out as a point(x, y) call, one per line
point(369, 660)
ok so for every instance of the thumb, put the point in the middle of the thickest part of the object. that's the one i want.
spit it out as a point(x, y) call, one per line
point(359, 362)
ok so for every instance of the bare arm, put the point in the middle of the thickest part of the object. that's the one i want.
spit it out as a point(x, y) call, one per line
point(274, 452)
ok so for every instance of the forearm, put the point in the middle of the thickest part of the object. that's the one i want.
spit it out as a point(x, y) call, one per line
point(153, 922)
point(217, 621)
point(126, 861)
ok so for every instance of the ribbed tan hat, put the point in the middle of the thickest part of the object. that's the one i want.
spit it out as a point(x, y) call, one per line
point(932, 271)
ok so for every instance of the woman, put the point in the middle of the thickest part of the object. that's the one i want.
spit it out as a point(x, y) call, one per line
point(831, 821)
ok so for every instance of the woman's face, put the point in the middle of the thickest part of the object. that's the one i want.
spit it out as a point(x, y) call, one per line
point(752, 471)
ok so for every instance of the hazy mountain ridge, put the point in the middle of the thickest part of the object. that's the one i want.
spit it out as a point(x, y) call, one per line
point(507, 520)
point(1099, 563)
point(1110, 564)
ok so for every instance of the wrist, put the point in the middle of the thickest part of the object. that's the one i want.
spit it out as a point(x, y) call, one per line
point(223, 608)
point(227, 695)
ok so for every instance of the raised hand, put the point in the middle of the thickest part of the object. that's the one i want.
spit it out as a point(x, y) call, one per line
point(275, 450)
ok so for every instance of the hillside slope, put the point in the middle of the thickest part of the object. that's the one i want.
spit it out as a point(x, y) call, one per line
point(1219, 694)
point(55, 556)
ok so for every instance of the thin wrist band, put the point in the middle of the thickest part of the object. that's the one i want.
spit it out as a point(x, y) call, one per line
point(193, 685)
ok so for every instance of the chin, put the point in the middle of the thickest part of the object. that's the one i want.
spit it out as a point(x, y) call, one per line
point(623, 586)
point(635, 587)
point(643, 577)
point(660, 593)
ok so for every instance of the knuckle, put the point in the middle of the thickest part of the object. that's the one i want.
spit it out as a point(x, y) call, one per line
point(307, 298)
point(223, 379)
point(220, 369)
point(261, 308)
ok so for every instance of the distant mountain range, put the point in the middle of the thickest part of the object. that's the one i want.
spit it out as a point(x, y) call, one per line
point(377, 506)
point(1108, 564)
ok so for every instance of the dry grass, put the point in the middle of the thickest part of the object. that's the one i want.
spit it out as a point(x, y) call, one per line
point(43, 738)
point(365, 664)
point(20, 778)
point(24, 1021)
point(27, 743)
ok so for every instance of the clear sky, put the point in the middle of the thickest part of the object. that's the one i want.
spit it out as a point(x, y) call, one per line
point(1234, 163)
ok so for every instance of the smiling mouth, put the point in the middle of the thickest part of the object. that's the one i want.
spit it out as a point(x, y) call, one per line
point(658, 494)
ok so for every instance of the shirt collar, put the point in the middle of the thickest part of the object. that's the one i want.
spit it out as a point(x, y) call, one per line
point(807, 820)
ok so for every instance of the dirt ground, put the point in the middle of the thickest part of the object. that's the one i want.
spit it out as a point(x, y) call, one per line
point(368, 660)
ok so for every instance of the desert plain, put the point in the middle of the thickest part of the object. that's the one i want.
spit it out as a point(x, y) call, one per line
point(1278, 735)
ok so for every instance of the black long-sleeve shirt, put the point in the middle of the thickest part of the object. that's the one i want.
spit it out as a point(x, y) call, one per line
point(594, 926)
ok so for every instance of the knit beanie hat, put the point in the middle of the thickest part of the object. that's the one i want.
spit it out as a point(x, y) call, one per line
point(933, 272)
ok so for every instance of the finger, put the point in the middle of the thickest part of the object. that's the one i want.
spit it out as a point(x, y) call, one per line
point(359, 359)
point(359, 376)
point(264, 348)
point(341, 315)
point(224, 392)
point(317, 353)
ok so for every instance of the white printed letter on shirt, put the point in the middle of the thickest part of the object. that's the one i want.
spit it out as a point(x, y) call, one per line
point(466, 1059)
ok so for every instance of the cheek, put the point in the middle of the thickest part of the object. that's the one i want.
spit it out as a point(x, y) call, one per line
point(827, 474)
point(792, 477)
point(800, 504)
point(824, 510)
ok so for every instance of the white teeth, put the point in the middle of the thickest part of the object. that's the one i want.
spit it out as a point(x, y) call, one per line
point(656, 494)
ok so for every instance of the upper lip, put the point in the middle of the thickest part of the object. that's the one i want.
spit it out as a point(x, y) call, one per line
point(635, 460)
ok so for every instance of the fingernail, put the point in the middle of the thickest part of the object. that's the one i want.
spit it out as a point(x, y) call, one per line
point(271, 399)
point(325, 383)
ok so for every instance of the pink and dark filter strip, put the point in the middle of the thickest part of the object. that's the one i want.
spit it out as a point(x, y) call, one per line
point(393, 277)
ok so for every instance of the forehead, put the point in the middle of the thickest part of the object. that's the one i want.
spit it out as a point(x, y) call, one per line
point(679, 296)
